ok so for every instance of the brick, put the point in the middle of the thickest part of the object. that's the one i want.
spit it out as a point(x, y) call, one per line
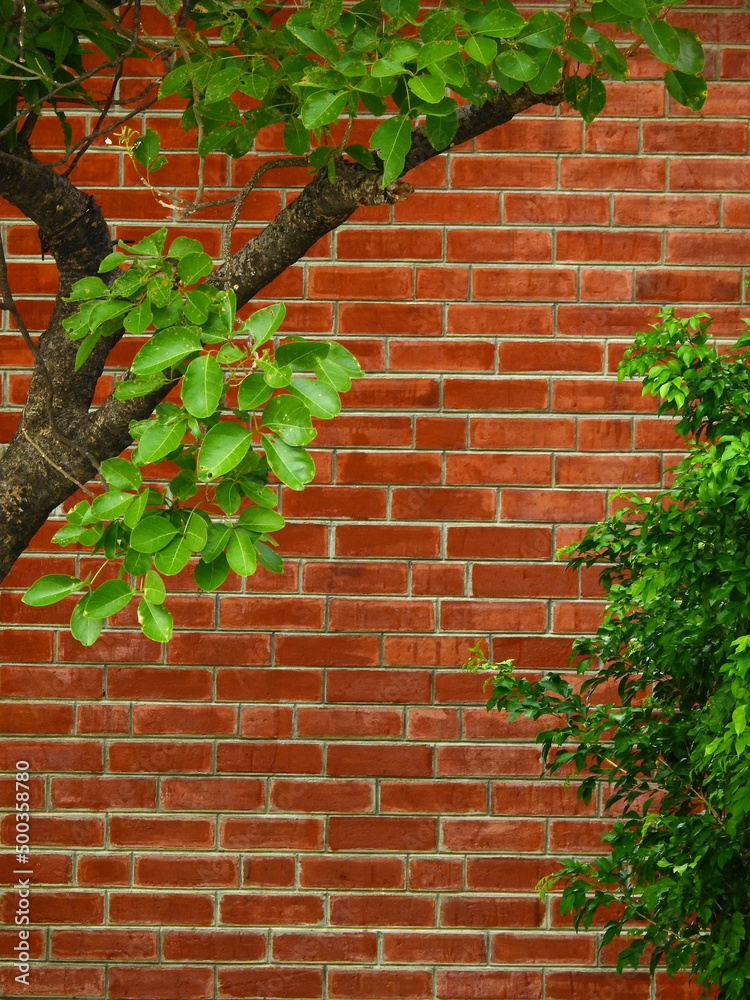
point(271, 612)
point(105, 945)
point(547, 283)
point(491, 911)
point(394, 833)
point(326, 946)
point(452, 355)
point(104, 793)
point(269, 758)
point(524, 133)
point(271, 908)
point(541, 798)
point(268, 832)
point(383, 686)
point(17, 681)
point(379, 760)
point(435, 873)
point(214, 793)
point(186, 870)
point(492, 761)
point(271, 981)
point(193, 719)
point(551, 505)
point(604, 245)
point(63, 907)
point(160, 755)
point(324, 795)
point(342, 282)
point(485, 171)
point(264, 721)
point(433, 797)
point(490, 985)
point(622, 173)
point(450, 207)
point(522, 580)
point(352, 873)
point(437, 579)
point(615, 470)
point(384, 467)
point(579, 985)
point(149, 983)
point(388, 244)
point(532, 949)
point(550, 355)
point(380, 984)
point(668, 209)
point(55, 980)
point(268, 870)
point(103, 869)
point(605, 395)
point(382, 910)
point(433, 723)
point(154, 683)
point(208, 647)
point(214, 945)
point(334, 721)
point(387, 540)
point(708, 174)
point(606, 284)
point(555, 209)
point(727, 247)
point(277, 684)
point(510, 874)
point(160, 831)
point(400, 393)
point(418, 319)
point(503, 616)
point(57, 831)
point(359, 503)
point(492, 834)
point(57, 755)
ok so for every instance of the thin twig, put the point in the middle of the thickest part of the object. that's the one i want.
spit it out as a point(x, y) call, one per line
point(97, 133)
point(8, 303)
point(239, 200)
point(87, 141)
point(199, 129)
point(109, 64)
point(54, 464)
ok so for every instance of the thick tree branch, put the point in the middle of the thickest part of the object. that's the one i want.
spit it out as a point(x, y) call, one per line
point(32, 487)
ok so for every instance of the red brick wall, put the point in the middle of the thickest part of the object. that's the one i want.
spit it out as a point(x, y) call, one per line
point(303, 796)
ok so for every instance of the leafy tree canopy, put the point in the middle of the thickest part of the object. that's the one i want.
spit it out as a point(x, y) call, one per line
point(436, 75)
point(664, 721)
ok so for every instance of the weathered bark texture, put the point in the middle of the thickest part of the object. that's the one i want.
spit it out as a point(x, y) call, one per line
point(38, 471)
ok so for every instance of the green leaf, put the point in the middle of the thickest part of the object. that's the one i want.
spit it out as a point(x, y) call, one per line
point(481, 49)
point(218, 536)
point(392, 140)
point(550, 70)
point(290, 418)
point(253, 391)
point(268, 558)
point(152, 533)
point(517, 65)
point(321, 108)
point(158, 440)
point(50, 589)
point(165, 349)
point(401, 10)
point(228, 496)
point(197, 305)
point(691, 91)
point(262, 325)
point(139, 319)
point(202, 386)
point(154, 589)
point(385, 68)
point(276, 376)
point(661, 38)
point(501, 21)
point(544, 30)
point(223, 448)
point(586, 94)
point(84, 351)
point(241, 552)
point(85, 630)
point(196, 532)
point(441, 130)
point(176, 80)
point(136, 510)
point(151, 245)
point(691, 59)
point(156, 622)
point(112, 504)
point(111, 261)
point(211, 575)
point(121, 474)
point(296, 137)
point(317, 41)
point(181, 246)
point(436, 52)
point(193, 267)
point(173, 558)
point(293, 466)
point(428, 87)
point(579, 51)
point(88, 288)
point(320, 399)
point(632, 8)
point(261, 519)
point(108, 599)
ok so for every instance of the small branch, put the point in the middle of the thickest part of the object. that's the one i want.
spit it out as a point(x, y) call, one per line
point(98, 132)
point(239, 201)
point(87, 141)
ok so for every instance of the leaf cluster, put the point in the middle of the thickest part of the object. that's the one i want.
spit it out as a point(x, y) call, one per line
point(662, 721)
point(245, 412)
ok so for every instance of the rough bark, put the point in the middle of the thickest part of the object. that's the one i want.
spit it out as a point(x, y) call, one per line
point(38, 471)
